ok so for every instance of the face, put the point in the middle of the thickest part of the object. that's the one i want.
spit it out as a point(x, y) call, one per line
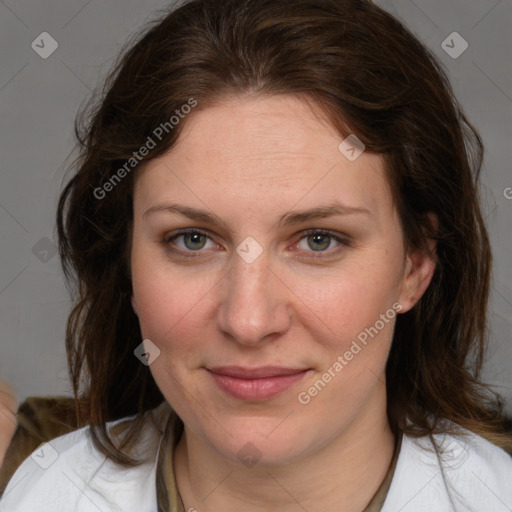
point(268, 268)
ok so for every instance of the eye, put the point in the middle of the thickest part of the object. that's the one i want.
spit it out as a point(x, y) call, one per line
point(318, 240)
point(191, 240)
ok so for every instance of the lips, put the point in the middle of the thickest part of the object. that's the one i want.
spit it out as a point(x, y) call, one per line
point(255, 373)
point(255, 384)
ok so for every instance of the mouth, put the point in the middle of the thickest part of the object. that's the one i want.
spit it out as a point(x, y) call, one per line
point(255, 384)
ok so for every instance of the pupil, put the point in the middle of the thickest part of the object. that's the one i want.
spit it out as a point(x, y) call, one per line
point(195, 239)
point(323, 240)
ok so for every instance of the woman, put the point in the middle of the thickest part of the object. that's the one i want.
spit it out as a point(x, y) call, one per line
point(282, 276)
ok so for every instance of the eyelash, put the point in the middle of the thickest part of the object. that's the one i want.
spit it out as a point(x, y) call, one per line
point(342, 240)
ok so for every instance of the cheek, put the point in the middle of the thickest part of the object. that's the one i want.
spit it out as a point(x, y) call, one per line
point(174, 322)
point(350, 302)
point(162, 297)
point(170, 305)
point(165, 307)
point(360, 314)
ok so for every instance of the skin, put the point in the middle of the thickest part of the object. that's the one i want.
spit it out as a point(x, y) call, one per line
point(300, 304)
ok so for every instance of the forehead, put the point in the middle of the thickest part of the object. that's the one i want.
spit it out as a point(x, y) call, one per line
point(263, 153)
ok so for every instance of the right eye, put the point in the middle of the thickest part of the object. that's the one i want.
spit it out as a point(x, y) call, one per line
point(188, 241)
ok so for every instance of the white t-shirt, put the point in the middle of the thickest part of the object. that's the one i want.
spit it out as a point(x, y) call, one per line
point(69, 474)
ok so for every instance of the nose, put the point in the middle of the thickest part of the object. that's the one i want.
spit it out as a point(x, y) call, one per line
point(254, 304)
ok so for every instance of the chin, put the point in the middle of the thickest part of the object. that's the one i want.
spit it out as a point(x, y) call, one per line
point(258, 441)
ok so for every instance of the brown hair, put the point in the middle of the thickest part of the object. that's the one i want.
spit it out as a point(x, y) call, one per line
point(373, 78)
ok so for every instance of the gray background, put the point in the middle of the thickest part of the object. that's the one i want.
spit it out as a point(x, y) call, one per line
point(38, 101)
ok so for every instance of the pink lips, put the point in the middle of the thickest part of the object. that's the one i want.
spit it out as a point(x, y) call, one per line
point(255, 384)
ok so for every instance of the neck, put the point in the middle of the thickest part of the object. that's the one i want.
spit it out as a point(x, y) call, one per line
point(343, 476)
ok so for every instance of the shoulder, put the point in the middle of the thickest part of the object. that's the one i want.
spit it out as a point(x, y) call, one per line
point(69, 472)
point(451, 473)
point(39, 419)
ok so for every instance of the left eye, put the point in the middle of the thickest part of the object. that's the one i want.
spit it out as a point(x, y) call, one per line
point(319, 241)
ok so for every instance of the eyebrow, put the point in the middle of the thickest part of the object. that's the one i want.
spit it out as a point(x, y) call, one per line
point(288, 219)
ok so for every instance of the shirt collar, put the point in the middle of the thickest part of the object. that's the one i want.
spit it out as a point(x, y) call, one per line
point(168, 497)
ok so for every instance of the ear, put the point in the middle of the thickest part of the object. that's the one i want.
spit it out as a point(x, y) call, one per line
point(419, 269)
point(134, 305)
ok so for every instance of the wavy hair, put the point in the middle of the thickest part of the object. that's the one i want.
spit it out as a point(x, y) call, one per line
point(372, 78)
